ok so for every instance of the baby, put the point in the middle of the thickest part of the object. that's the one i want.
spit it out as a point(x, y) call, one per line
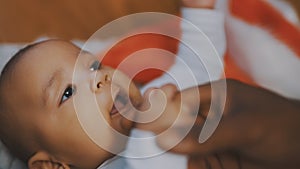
point(41, 87)
point(39, 107)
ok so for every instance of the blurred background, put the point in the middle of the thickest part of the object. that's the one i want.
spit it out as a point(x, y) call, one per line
point(25, 21)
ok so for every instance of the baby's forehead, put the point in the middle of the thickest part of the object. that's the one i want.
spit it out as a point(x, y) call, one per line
point(44, 58)
point(36, 66)
point(49, 52)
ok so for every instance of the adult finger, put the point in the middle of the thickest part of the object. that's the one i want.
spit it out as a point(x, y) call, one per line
point(232, 133)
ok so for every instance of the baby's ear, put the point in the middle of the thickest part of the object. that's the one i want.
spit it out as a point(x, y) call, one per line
point(42, 160)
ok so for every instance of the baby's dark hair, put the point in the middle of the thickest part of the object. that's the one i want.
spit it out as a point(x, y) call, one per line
point(14, 60)
point(14, 145)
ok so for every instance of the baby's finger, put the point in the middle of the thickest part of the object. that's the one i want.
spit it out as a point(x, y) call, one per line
point(156, 103)
point(146, 104)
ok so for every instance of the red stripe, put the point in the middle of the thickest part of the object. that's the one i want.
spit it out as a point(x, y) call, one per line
point(124, 48)
point(259, 12)
point(233, 71)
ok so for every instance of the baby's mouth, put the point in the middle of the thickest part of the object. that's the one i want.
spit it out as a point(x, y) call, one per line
point(120, 104)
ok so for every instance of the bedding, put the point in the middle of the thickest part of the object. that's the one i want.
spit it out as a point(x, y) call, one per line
point(7, 161)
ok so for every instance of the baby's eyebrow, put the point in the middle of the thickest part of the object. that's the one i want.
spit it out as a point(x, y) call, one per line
point(50, 84)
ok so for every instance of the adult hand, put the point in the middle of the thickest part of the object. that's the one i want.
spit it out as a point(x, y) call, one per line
point(259, 130)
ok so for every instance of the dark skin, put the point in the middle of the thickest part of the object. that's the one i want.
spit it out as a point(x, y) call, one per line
point(259, 129)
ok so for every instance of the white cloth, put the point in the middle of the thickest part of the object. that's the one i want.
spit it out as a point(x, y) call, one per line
point(7, 161)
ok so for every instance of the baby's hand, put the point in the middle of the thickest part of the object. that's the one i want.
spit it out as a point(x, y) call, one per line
point(199, 3)
point(165, 107)
point(160, 109)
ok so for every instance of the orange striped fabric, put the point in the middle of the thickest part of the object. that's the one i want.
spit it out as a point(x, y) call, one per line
point(261, 13)
point(124, 48)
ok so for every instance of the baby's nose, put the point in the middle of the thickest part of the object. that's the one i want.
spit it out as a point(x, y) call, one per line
point(100, 81)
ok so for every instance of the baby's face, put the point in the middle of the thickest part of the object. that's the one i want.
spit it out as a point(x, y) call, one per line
point(55, 87)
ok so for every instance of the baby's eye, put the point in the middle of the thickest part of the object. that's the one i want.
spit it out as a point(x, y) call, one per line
point(69, 92)
point(95, 66)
